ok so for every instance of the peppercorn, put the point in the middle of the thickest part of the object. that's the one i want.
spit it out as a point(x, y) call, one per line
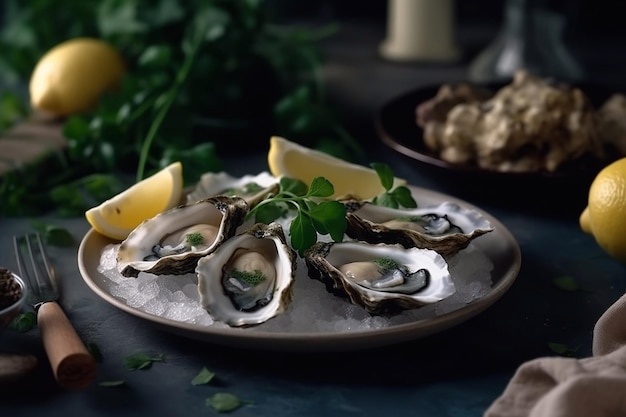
point(10, 290)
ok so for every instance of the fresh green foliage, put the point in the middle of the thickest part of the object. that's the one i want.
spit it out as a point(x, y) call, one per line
point(202, 76)
point(315, 213)
point(397, 197)
point(250, 278)
point(204, 377)
point(54, 235)
point(562, 349)
point(386, 264)
point(224, 402)
point(194, 239)
point(24, 322)
point(566, 283)
point(12, 109)
point(141, 361)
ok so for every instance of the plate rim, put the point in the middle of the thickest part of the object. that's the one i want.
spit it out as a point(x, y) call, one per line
point(318, 341)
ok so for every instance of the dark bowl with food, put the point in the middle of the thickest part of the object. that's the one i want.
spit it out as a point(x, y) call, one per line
point(562, 187)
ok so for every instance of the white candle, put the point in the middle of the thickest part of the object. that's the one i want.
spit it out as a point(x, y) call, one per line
point(420, 30)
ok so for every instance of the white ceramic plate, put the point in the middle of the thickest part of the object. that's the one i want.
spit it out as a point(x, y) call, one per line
point(499, 246)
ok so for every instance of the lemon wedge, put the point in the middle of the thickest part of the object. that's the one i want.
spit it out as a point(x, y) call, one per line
point(118, 216)
point(71, 77)
point(289, 159)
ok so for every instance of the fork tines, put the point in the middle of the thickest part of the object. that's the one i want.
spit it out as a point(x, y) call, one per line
point(33, 266)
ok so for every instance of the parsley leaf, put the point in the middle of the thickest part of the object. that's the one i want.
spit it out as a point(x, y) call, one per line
point(24, 322)
point(566, 283)
point(54, 235)
point(141, 361)
point(397, 197)
point(562, 349)
point(204, 377)
point(111, 384)
point(224, 402)
point(314, 213)
point(95, 351)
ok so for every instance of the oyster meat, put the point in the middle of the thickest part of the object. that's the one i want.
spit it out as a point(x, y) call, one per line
point(172, 242)
point(446, 228)
point(248, 279)
point(381, 278)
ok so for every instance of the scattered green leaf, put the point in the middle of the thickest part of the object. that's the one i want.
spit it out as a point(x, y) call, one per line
point(566, 283)
point(54, 235)
point(95, 351)
point(562, 349)
point(142, 361)
point(204, 377)
point(224, 402)
point(111, 384)
point(24, 322)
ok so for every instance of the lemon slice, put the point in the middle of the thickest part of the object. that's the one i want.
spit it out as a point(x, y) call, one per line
point(118, 216)
point(289, 159)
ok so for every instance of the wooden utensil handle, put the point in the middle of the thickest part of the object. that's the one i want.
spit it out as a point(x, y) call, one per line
point(72, 364)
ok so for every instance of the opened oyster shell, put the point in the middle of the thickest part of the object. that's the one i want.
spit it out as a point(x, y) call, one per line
point(248, 187)
point(446, 228)
point(173, 241)
point(381, 278)
point(249, 278)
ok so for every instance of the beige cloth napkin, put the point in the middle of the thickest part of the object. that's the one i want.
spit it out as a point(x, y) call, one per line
point(568, 387)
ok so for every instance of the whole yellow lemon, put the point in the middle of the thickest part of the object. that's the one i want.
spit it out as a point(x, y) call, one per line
point(71, 77)
point(605, 215)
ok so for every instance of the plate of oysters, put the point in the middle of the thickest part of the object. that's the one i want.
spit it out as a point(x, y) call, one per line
point(531, 131)
point(204, 270)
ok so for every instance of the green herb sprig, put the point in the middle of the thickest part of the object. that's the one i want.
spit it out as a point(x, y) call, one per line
point(251, 278)
point(315, 213)
point(194, 239)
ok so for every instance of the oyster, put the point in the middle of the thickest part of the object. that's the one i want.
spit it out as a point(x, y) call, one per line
point(172, 242)
point(381, 278)
point(247, 187)
point(249, 278)
point(446, 228)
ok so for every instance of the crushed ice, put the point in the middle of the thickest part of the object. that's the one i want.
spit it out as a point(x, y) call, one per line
point(176, 297)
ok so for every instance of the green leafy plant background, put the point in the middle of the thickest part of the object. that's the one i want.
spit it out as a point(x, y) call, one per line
point(204, 78)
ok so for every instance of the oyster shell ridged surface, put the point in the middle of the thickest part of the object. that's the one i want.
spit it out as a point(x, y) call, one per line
point(331, 263)
point(237, 299)
point(446, 228)
point(159, 245)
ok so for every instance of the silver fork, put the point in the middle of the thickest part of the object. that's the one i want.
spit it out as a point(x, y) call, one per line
point(72, 364)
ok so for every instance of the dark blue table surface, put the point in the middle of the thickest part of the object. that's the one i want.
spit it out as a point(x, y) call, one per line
point(458, 372)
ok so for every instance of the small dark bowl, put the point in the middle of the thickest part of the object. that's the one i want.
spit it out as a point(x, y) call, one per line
point(8, 313)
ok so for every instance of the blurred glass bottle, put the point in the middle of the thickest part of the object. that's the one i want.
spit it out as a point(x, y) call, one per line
point(530, 38)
